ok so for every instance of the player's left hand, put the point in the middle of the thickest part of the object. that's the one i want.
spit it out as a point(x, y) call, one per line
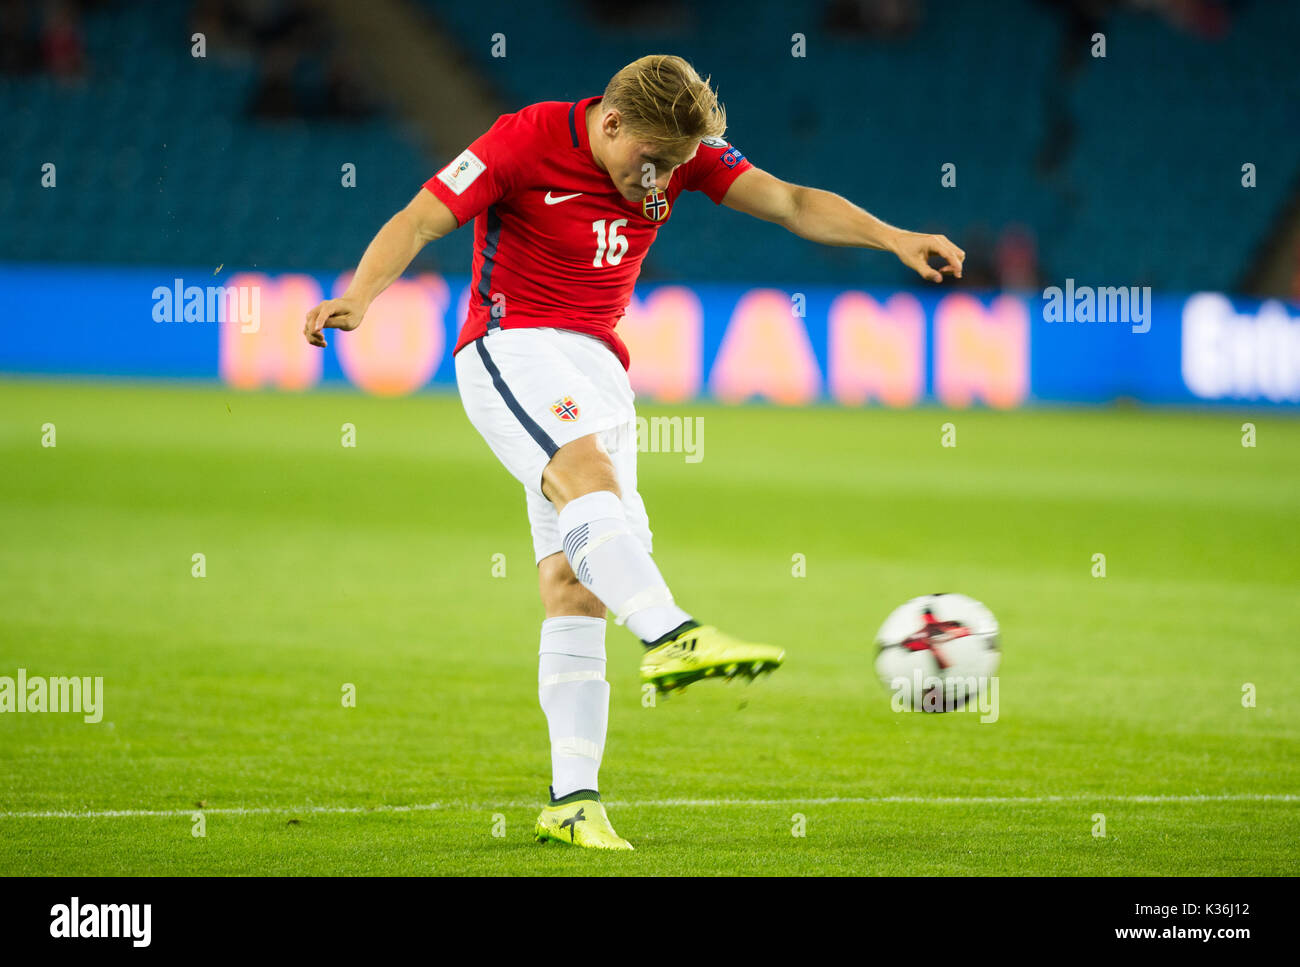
point(915, 249)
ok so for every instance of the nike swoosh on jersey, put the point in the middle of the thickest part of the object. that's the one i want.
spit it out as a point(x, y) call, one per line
point(555, 201)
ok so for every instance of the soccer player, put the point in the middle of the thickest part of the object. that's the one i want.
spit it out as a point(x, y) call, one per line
point(566, 199)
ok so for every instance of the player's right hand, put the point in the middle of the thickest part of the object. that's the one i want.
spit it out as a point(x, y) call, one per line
point(914, 249)
point(344, 313)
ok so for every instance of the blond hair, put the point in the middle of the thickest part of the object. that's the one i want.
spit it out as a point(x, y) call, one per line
point(663, 99)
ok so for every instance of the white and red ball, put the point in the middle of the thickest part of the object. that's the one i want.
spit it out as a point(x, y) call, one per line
point(937, 652)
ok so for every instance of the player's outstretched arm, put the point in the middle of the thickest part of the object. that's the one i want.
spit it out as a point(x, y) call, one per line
point(385, 258)
point(828, 218)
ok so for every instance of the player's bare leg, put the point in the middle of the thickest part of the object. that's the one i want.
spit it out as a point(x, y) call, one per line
point(612, 563)
point(579, 467)
point(562, 593)
point(606, 556)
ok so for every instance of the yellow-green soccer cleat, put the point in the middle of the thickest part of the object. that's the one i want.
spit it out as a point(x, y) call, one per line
point(578, 819)
point(705, 652)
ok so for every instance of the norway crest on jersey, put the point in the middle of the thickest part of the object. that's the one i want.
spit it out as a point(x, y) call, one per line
point(655, 205)
point(565, 409)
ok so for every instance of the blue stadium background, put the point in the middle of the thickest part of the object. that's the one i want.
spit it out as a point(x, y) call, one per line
point(1124, 169)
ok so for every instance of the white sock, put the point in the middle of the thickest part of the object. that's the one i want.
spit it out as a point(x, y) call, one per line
point(575, 697)
point(614, 566)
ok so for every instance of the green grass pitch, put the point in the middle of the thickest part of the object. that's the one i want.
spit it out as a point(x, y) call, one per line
point(1120, 695)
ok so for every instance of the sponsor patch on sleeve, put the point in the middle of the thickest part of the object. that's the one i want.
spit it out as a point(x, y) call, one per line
point(462, 172)
point(732, 157)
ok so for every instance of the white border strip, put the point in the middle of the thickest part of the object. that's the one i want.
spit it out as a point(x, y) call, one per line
point(649, 804)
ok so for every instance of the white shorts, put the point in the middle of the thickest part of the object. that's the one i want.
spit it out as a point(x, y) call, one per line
point(528, 392)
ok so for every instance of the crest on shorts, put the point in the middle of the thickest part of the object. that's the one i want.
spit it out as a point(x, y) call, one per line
point(655, 205)
point(565, 409)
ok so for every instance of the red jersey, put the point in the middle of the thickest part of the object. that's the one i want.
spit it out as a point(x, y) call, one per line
point(555, 244)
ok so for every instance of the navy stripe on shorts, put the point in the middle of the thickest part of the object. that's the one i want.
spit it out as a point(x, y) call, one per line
point(528, 423)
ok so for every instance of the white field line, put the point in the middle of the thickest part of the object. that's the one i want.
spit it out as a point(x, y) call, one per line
point(648, 804)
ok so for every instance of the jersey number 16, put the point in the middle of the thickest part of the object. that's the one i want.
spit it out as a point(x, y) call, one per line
point(612, 248)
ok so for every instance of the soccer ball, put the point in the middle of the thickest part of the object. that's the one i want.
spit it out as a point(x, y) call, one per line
point(937, 651)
